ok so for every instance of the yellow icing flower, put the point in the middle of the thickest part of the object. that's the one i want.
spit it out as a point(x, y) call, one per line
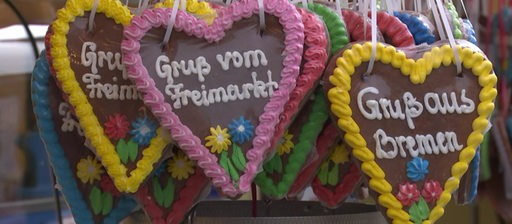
point(88, 170)
point(218, 140)
point(180, 166)
point(340, 154)
point(286, 144)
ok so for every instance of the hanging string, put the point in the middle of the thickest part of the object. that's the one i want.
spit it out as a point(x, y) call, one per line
point(92, 15)
point(305, 4)
point(345, 4)
point(389, 7)
point(170, 23)
point(338, 7)
point(451, 39)
point(464, 9)
point(364, 10)
point(419, 4)
point(437, 20)
point(374, 36)
point(262, 15)
point(127, 2)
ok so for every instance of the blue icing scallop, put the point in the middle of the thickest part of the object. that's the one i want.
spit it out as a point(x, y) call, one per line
point(419, 31)
point(470, 31)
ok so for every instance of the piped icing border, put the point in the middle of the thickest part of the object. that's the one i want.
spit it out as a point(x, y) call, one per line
point(335, 26)
point(201, 9)
point(188, 142)
point(81, 213)
point(417, 71)
point(420, 31)
point(77, 98)
point(395, 29)
point(313, 64)
point(305, 143)
point(187, 197)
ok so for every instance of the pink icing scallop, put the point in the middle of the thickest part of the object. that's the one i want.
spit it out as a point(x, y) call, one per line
point(154, 99)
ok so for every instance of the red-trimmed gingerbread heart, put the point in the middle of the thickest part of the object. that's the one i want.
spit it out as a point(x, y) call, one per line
point(413, 122)
point(218, 89)
point(88, 66)
point(173, 190)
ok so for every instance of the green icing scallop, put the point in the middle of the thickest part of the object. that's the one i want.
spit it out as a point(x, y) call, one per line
point(338, 34)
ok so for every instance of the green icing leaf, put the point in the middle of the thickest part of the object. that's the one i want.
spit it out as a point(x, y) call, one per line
point(226, 163)
point(107, 203)
point(238, 158)
point(274, 165)
point(95, 200)
point(168, 193)
point(333, 177)
point(269, 166)
point(122, 150)
point(158, 192)
point(419, 211)
point(133, 149)
point(323, 173)
point(163, 196)
point(279, 164)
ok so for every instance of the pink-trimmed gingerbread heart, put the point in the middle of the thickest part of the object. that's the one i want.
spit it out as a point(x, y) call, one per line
point(218, 89)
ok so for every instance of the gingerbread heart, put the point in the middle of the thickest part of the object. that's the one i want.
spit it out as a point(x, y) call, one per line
point(337, 177)
point(218, 87)
point(413, 122)
point(173, 190)
point(80, 177)
point(88, 66)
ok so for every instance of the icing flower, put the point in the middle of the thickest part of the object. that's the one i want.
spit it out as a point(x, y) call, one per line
point(408, 194)
point(88, 170)
point(417, 168)
point(143, 130)
point(180, 166)
point(241, 130)
point(117, 126)
point(218, 140)
point(107, 185)
point(431, 191)
point(286, 144)
point(340, 154)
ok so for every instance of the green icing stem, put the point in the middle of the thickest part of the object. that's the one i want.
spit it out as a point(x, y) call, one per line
point(457, 31)
point(300, 152)
point(335, 26)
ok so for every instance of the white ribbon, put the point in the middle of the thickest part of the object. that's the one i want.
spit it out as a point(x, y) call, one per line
point(262, 14)
point(451, 39)
point(437, 20)
point(93, 14)
point(170, 24)
point(305, 4)
point(374, 36)
point(338, 7)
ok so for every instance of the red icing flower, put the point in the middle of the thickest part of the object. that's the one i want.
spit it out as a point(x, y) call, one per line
point(408, 194)
point(117, 126)
point(431, 191)
point(107, 185)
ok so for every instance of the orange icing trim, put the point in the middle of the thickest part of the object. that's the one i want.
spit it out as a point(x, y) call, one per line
point(417, 70)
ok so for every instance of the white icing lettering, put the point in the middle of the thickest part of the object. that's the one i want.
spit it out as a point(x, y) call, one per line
point(90, 57)
point(252, 58)
point(414, 146)
point(257, 88)
point(114, 91)
point(69, 124)
point(169, 70)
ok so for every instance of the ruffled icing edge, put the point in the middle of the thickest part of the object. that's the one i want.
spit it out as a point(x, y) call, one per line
point(84, 111)
point(188, 196)
point(335, 25)
point(420, 32)
point(188, 142)
point(433, 59)
point(305, 143)
point(313, 64)
point(61, 167)
point(395, 29)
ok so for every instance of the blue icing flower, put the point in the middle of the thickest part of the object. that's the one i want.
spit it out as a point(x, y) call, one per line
point(417, 168)
point(240, 130)
point(143, 130)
